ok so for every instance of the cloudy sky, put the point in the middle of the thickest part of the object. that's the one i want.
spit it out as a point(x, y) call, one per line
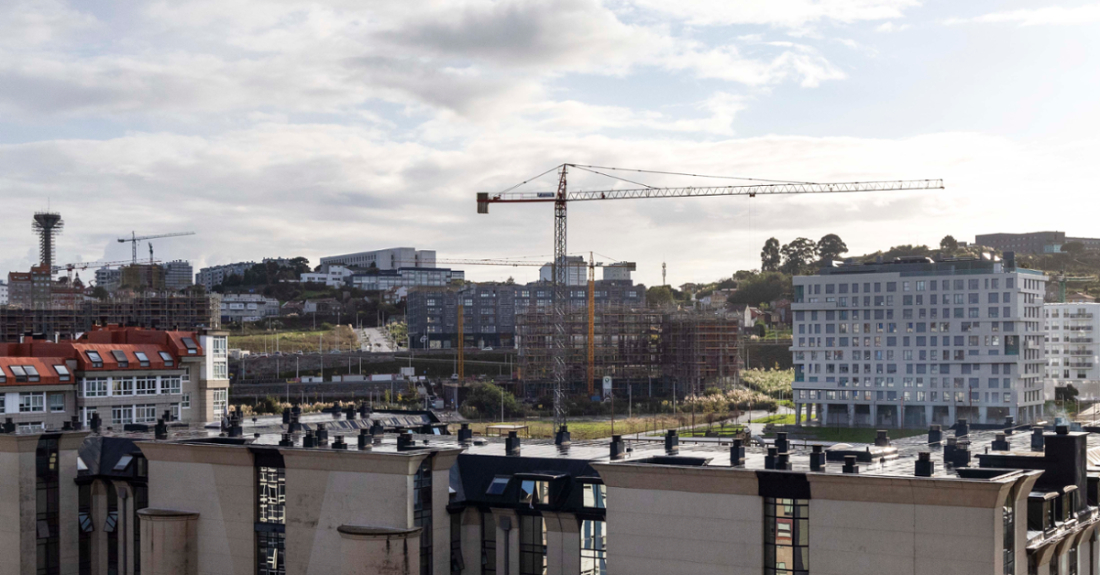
point(280, 128)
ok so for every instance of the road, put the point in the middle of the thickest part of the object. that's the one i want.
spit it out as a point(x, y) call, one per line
point(374, 339)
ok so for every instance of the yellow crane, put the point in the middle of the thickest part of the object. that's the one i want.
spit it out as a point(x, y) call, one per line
point(563, 196)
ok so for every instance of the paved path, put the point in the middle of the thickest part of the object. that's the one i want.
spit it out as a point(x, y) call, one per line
point(374, 339)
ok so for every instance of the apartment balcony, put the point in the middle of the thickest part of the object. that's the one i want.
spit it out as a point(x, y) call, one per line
point(1079, 328)
point(1079, 352)
point(1078, 316)
point(1078, 340)
point(1089, 364)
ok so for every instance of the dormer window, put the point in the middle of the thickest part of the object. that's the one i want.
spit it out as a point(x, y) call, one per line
point(189, 343)
point(498, 486)
point(167, 357)
point(120, 357)
point(534, 492)
point(19, 373)
point(3, 376)
point(63, 372)
point(143, 359)
point(93, 356)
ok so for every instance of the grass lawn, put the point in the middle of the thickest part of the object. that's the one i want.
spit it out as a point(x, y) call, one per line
point(778, 419)
point(587, 429)
point(341, 337)
point(854, 435)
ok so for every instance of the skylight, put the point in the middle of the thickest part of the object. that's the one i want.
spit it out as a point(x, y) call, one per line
point(498, 486)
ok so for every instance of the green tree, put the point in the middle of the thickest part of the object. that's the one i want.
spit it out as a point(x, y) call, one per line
point(659, 296)
point(484, 401)
point(770, 260)
point(761, 288)
point(797, 255)
point(830, 247)
point(1073, 247)
point(949, 244)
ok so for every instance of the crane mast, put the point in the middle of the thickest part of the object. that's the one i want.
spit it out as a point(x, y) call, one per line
point(563, 196)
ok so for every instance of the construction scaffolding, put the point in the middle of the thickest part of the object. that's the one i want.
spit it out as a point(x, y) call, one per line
point(627, 347)
point(649, 349)
point(701, 350)
point(162, 311)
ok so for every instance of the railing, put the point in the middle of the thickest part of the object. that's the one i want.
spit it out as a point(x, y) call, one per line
point(1078, 340)
point(1078, 316)
point(1080, 365)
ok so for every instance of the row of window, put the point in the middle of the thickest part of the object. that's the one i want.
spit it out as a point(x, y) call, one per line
point(1011, 343)
point(906, 396)
point(123, 360)
point(35, 402)
point(30, 374)
point(126, 386)
point(919, 285)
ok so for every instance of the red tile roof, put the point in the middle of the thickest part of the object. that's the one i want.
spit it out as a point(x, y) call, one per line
point(47, 375)
point(104, 341)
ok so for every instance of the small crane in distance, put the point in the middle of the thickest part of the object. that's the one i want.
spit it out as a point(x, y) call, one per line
point(134, 239)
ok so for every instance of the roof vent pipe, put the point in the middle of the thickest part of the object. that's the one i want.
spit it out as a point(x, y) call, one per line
point(672, 442)
point(935, 435)
point(562, 437)
point(925, 466)
point(1037, 438)
point(322, 435)
point(287, 440)
point(882, 438)
point(850, 464)
point(781, 443)
point(769, 459)
point(817, 459)
point(737, 453)
point(339, 443)
point(309, 441)
point(618, 448)
point(783, 461)
point(364, 440)
point(962, 428)
point(465, 434)
point(512, 444)
point(1000, 443)
point(161, 430)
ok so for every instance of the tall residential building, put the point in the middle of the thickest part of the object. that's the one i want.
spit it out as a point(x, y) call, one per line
point(3, 293)
point(109, 279)
point(386, 280)
point(211, 276)
point(30, 290)
point(619, 271)
point(911, 342)
point(576, 273)
point(387, 259)
point(177, 275)
point(1073, 353)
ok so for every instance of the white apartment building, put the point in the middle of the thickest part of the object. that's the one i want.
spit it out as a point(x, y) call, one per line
point(576, 272)
point(406, 278)
point(915, 342)
point(335, 276)
point(1071, 348)
point(247, 307)
point(387, 259)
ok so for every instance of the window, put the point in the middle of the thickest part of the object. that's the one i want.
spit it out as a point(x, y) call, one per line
point(595, 495)
point(1008, 516)
point(185, 401)
point(457, 562)
point(146, 386)
point(122, 414)
point(422, 513)
point(221, 402)
point(786, 536)
point(63, 373)
point(146, 413)
point(593, 547)
point(47, 507)
point(32, 402)
point(189, 343)
point(167, 358)
point(498, 485)
point(532, 545)
point(3, 376)
point(221, 369)
point(170, 385)
point(57, 402)
point(19, 373)
point(94, 357)
point(143, 359)
point(488, 543)
point(534, 492)
point(270, 521)
point(122, 386)
point(120, 357)
point(95, 387)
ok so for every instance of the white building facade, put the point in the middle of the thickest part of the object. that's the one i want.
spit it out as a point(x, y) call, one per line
point(1071, 347)
point(335, 276)
point(910, 343)
point(387, 259)
point(247, 307)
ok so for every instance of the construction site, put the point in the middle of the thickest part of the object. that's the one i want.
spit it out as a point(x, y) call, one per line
point(40, 304)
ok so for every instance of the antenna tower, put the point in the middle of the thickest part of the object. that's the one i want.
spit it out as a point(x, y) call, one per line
point(47, 225)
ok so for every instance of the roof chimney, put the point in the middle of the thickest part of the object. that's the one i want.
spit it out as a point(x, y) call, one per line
point(850, 464)
point(562, 437)
point(1009, 424)
point(672, 442)
point(286, 416)
point(962, 428)
point(322, 435)
point(1037, 438)
point(781, 443)
point(309, 441)
point(925, 466)
point(405, 441)
point(769, 459)
point(882, 439)
point(512, 444)
point(783, 461)
point(1000, 443)
point(465, 434)
point(737, 453)
point(364, 440)
point(287, 440)
point(817, 459)
point(339, 443)
point(618, 447)
point(161, 430)
point(935, 435)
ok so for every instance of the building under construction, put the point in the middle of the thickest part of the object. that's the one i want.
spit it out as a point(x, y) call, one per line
point(649, 350)
point(162, 311)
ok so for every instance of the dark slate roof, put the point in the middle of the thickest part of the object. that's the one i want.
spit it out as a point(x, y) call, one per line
point(472, 474)
point(101, 453)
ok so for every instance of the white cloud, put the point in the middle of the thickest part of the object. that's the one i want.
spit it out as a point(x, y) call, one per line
point(779, 13)
point(1047, 15)
point(888, 27)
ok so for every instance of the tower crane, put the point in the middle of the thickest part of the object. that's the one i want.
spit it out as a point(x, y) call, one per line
point(134, 239)
point(1063, 279)
point(563, 196)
